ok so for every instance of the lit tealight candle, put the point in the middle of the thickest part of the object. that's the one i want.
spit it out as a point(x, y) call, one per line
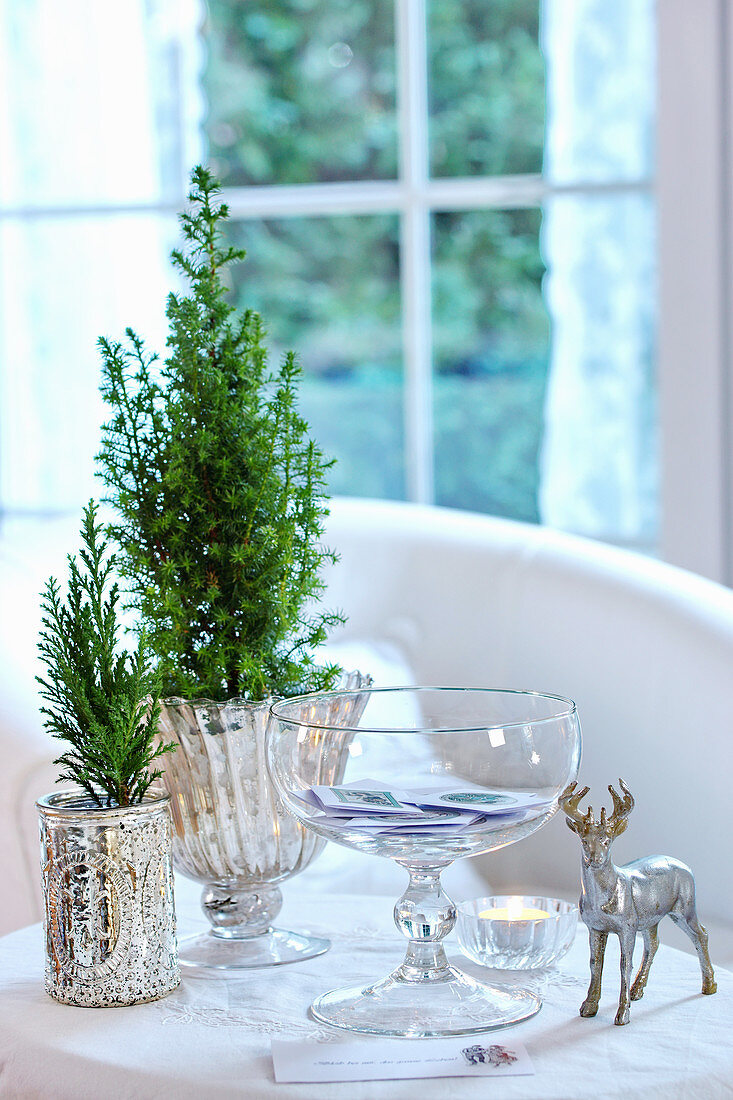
point(514, 910)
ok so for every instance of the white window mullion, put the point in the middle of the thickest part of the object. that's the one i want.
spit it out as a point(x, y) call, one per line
point(351, 197)
point(411, 37)
point(314, 199)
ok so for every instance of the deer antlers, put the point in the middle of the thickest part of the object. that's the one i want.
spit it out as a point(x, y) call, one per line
point(580, 823)
point(622, 807)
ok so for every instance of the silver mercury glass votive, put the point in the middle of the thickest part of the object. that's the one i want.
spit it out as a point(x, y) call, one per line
point(110, 922)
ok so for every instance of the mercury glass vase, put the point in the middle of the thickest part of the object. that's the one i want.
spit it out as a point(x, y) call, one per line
point(231, 831)
point(108, 889)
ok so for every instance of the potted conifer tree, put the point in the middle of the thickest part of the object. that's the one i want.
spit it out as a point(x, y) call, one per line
point(220, 499)
point(106, 843)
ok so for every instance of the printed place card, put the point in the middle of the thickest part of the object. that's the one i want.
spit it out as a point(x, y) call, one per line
point(394, 1059)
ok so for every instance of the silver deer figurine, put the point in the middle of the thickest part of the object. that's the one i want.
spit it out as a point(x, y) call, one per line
point(629, 899)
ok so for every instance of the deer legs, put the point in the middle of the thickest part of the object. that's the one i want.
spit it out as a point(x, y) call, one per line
point(651, 943)
point(589, 1006)
point(627, 955)
point(629, 992)
point(690, 925)
point(698, 934)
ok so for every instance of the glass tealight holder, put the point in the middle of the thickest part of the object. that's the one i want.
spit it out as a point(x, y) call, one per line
point(516, 933)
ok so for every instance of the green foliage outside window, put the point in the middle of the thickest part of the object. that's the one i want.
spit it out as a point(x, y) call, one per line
point(301, 90)
point(280, 111)
point(489, 378)
point(486, 87)
point(305, 274)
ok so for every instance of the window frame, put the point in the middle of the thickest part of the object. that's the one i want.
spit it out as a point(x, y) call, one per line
point(693, 187)
point(414, 197)
point(695, 323)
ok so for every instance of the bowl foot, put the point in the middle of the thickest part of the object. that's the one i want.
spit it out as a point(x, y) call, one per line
point(208, 955)
point(459, 1005)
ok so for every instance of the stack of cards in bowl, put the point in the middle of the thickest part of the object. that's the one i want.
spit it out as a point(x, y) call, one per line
point(370, 807)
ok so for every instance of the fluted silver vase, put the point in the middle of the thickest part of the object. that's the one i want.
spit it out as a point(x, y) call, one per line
point(231, 832)
point(108, 888)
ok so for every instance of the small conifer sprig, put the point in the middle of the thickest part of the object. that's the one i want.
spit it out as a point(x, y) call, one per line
point(219, 491)
point(103, 702)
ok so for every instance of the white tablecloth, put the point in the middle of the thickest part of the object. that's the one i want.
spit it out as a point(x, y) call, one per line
point(212, 1038)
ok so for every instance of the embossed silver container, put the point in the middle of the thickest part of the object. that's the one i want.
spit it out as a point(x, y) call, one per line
point(232, 833)
point(108, 887)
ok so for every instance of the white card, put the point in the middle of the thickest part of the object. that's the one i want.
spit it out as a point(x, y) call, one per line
point(480, 799)
point(361, 800)
point(395, 1059)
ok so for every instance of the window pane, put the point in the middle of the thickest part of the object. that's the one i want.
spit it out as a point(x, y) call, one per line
point(301, 90)
point(490, 357)
point(95, 104)
point(600, 458)
point(486, 87)
point(63, 283)
point(328, 288)
point(601, 88)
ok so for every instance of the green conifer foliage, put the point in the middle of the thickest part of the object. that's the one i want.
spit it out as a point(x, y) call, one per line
point(219, 490)
point(104, 703)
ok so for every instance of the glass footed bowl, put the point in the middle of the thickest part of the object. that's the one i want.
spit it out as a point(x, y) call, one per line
point(430, 775)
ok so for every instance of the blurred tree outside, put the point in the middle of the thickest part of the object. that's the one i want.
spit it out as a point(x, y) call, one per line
point(486, 87)
point(300, 91)
point(329, 288)
point(304, 91)
point(490, 353)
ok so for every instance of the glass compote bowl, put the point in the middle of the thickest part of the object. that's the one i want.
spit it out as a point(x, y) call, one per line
point(469, 770)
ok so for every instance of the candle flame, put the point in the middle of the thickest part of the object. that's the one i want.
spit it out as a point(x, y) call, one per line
point(514, 910)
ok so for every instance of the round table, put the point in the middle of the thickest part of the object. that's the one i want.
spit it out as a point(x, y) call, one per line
point(212, 1037)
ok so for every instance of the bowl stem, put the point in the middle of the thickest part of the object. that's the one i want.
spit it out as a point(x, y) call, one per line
point(425, 915)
